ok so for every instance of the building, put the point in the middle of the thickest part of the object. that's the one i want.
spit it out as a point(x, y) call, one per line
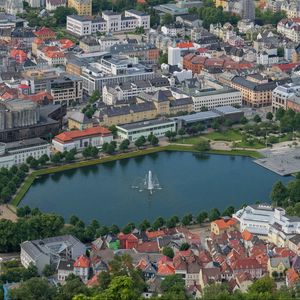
point(39, 122)
point(45, 33)
point(269, 223)
point(290, 28)
point(80, 139)
point(208, 93)
point(284, 95)
point(113, 70)
point(250, 265)
point(256, 94)
point(14, 7)
point(109, 22)
point(83, 7)
point(174, 29)
point(54, 4)
point(89, 44)
point(66, 89)
point(80, 121)
point(223, 225)
point(64, 269)
point(50, 251)
point(82, 267)
point(16, 153)
point(278, 265)
point(133, 131)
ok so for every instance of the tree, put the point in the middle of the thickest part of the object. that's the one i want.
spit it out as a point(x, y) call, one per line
point(257, 119)
point(72, 287)
point(32, 289)
point(114, 130)
point(69, 156)
point(163, 58)
point(144, 225)
point(263, 285)
point(184, 247)
point(202, 145)
point(229, 211)
point(170, 135)
point(124, 145)
point(48, 271)
point(269, 116)
point(128, 228)
point(216, 291)
point(172, 222)
point(114, 229)
point(279, 193)
point(158, 223)
point(24, 168)
point(280, 112)
point(173, 283)
point(94, 152)
point(154, 141)
point(168, 251)
point(166, 19)
point(56, 158)
point(140, 141)
point(181, 131)
point(214, 214)
point(244, 120)
point(202, 217)
point(187, 219)
point(86, 152)
point(61, 13)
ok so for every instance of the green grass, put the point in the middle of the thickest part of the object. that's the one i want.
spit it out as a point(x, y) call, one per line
point(31, 177)
point(255, 145)
point(227, 136)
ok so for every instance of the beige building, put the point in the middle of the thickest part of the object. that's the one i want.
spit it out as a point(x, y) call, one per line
point(83, 7)
point(80, 121)
point(255, 94)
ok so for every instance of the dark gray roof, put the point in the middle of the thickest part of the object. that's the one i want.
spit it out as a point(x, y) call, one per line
point(181, 101)
point(159, 81)
point(269, 86)
point(295, 239)
point(67, 265)
point(137, 125)
point(25, 144)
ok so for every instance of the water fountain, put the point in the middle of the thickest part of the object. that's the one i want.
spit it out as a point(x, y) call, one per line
point(149, 183)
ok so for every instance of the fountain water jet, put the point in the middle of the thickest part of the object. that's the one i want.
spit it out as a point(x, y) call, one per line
point(148, 183)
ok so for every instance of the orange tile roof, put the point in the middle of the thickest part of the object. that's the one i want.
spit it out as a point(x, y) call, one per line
point(82, 262)
point(45, 32)
point(93, 281)
point(165, 269)
point(247, 236)
point(185, 45)
point(224, 224)
point(76, 134)
point(292, 276)
point(38, 41)
point(52, 54)
point(155, 234)
point(148, 247)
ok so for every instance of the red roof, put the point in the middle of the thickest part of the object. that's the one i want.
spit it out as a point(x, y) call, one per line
point(165, 269)
point(247, 236)
point(185, 45)
point(287, 67)
point(55, 54)
point(224, 224)
point(93, 281)
point(45, 32)
point(77, 134)
point(292, 276)
point(82, 262)
point(148, 247)
point(155, 234)
point(246, 263)
point(23, 86)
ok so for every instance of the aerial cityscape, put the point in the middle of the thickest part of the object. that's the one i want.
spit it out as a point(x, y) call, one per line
point(149, 149)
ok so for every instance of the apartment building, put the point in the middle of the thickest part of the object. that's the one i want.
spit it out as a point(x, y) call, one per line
point(109, 22)
point(83, 7)
point(255, 94)
point(290, 28)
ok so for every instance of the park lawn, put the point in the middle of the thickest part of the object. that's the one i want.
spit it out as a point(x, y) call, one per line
point(228, 136)
point(256, 145)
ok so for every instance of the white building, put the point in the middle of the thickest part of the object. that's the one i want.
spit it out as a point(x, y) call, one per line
point(14, 7)
point(174, 30)
point(80, 139)
point(49, 251)
point(64, 269)
point(82, 267)
point(268, 222)
point(16, 153)
point(290, 29)
point(284, 93)
point(109, 22)
point(174, 52)
point(265, 59)
point(35, 3)
point(133, 131)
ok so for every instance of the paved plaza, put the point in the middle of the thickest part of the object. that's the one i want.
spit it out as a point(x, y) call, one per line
point(283, 161)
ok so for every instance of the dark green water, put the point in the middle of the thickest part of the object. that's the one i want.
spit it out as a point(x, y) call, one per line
point(190, 185)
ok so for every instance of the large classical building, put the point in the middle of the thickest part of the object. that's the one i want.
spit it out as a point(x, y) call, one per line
point(109, 22)
point(80, 139)
point(83, 7)
point(290, 28)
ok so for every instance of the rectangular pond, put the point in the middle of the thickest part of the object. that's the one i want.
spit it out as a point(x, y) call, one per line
point(190, 184)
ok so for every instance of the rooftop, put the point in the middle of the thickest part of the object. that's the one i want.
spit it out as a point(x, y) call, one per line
point(137, 125)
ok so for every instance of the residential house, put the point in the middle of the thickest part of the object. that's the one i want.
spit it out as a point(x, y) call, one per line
point(250, 265)
point(292, 277)
point(278, 265)
point(82, 267)
point(80, 121)
point(64, 269)
point(222, 225)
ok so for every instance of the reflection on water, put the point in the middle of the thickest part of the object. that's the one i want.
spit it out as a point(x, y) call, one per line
point(191, 183)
